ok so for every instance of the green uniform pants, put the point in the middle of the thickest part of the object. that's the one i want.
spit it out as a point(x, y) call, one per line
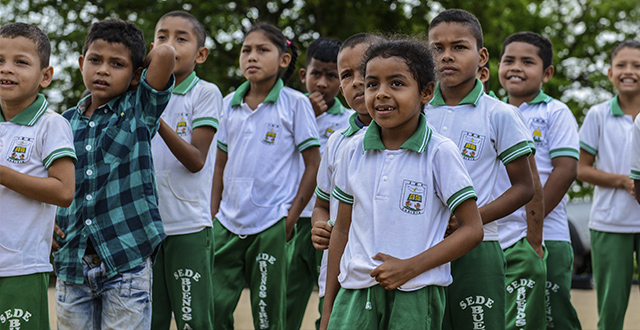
point(23, 302)
point(560, 311)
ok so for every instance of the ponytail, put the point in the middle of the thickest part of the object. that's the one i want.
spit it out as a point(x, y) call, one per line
point(292, 65)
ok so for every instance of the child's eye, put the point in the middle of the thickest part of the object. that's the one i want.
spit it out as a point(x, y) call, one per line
point(460, 47)
point(333, 76)
point(160, 38)
point(21, 62)
point(182, 39)
point(372, 84)
point(118, 64)
point(345, 76)
point(507, 61)
point(93, 60)
point(397, 83)
point(246, 50)
point(436, 48)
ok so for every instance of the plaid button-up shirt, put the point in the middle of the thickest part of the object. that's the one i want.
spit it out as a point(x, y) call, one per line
point(115, 203)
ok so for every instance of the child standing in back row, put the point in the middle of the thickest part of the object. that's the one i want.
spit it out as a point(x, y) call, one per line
point(183, 271)
point(265, 128)
point(605, 148)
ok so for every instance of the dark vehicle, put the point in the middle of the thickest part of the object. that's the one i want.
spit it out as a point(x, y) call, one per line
point(578, 216)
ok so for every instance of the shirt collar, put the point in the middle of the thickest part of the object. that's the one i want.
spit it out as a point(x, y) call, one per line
point(273, 95)
point(541, 98)
point(86, 102)
point(353, 125)
point(472, 98)
point(30, 115)
point(615, 107)
point(417, 142)
point(187, 84)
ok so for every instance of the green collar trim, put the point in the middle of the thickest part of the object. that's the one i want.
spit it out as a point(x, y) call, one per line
point(616, 110)
point(541, 98)
point(30, 115)
point(187, 84)
point(273, 95)
point(472, 98)
point(418, 142)
point(353, 127)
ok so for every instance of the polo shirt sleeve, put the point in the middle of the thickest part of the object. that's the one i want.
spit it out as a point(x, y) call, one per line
point(327, 166)
point(590, 132)
point(510, 134)
point(207, 106)
point(152, 102)
point(57, 140)
point(221, 135)
point(305, 129)
point(452, 181)
point(342, 190)
point(563, 134)
point(635, 150)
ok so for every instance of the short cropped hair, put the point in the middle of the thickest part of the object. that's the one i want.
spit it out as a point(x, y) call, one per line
point(115, 30)
point(323, 49)
point(198, 29)
point(545, 47)
point(463, 17)
point(414, 53)
point(361, 38)
point(629, 43)
point(33, 33)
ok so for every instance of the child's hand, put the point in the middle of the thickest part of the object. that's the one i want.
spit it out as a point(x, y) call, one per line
point(318, 103)
point(452, 226)
point(320, 234)
point(627, 184)
point(57, 231)
point(393, 272)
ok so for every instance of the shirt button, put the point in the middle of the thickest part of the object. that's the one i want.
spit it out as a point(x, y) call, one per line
point(390, 156)
point(92, 124)
point(105, 110)
point(384, 178)
point(89, 197)
point(89, 172)
point(444, 128)
point(449, 111)
point(88, 222)
point(87, 147)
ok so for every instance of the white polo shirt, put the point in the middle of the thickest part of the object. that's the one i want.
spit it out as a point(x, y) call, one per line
point(635, 150)
point(554, 131)
point(184, 198)
point(606, 134)
point(261, 177)
point(489, 134)
point(326, 180)
point(332, 120)
point(29, 143)
point(401, 200)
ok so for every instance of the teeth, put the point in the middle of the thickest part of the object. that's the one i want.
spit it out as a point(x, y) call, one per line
point(7, 82)
point(385, 109)
point(515, 78)
point(628, 80)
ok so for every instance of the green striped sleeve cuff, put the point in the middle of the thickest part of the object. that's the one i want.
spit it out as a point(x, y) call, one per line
point(64, 152)
point(588, 148)
point(520, 149)
point(205, 121)
point(322, 195)
point(532, 145)
point(342, 196)
point(223, 147)
point(635, 175)
point(564, 152)
point(312, 142)
point(461, 196)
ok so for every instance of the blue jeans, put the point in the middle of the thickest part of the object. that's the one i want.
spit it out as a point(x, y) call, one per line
point(120, 302)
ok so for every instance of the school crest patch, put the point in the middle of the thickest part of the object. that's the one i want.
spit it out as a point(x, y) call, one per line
point(182, 124)
point(20, 150)
point(332, 128)
point(271, 133)
point(538, 127)
point(413, 197)
point(471, 145)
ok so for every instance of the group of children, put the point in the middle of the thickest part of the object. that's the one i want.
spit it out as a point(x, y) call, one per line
point(437, 205)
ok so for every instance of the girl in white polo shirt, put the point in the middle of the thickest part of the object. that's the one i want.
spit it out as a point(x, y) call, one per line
point(397, 184)
point(257, 192)
point(605, 148)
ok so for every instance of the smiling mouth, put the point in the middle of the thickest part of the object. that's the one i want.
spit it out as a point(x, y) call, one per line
point(384, 109)
point(514, 78)
point(7, 82)
point(628, 81)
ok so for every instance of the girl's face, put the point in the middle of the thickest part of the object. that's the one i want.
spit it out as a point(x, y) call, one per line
point(624, 73)
point(392, 95)
point(260, 58)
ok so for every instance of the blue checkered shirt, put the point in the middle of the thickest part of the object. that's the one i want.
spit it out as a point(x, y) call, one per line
point(115, 203)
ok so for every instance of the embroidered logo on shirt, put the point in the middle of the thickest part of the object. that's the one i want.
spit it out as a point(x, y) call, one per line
point(332, 128)
point(20, 151)
point(271, 133)
point(538, 127)
point(471, 145)
point(413, 197)
point(182, 124)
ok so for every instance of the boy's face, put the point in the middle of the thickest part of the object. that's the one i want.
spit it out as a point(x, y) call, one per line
point(321, 77)
point(392, 94)
point(455, 53)
point(179, 33)
point(351, 79)
point(521, 70)
point(107, 70)
point(21, 75)
point(624, 73)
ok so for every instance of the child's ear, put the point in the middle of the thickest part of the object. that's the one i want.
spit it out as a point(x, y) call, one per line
point(47, 76)
point(151, 47)
point(610, 75)
point(303, 75)
point(135, 81)
point(548, 73)
point(285, 59)
point(484, 57)
point(427, 93)
point(202, 54)
point(81, 62)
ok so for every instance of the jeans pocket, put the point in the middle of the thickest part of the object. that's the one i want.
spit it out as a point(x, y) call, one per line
point(136, 283)
point(61, 290)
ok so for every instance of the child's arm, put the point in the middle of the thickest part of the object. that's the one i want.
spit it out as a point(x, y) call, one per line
point(57, 189)
point(218, 183)
point(535, 210)
point(565, 171)
point(160, 62)
point(321, 230)
point(589, 174)
point(311, 157)
point(192, 155)
point(339, 238)
point(394, 272)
